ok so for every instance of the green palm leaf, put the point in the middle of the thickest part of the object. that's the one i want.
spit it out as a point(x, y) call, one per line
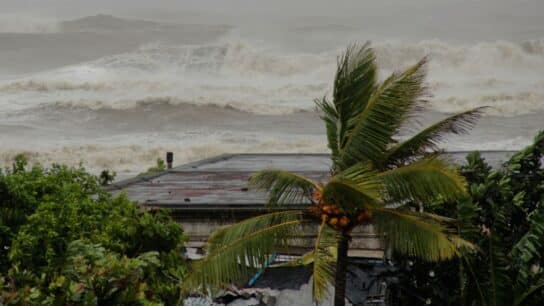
point(354, 83)
point(236, 251)
point(355, 188)
point(428, 139)
point(331, 118)
point(323, 259)
point(416, 235)
point(388, 107)
point(423, 181)
point(284, 187)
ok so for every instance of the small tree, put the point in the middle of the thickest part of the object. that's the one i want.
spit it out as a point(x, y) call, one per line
point(504, 217)
point(63, 240)
point(373, 176)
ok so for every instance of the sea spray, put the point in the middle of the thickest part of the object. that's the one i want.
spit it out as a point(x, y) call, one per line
point(503, 75)
point(118, 93)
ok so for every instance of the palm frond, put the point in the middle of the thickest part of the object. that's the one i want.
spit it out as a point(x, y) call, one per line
point(324, 261)
point(428, 139)
point(388, 107)
point(284, 187)
point(411, 234)
point(331, 118)
point(236, 251)
point(355, 188)
point(354, 83)
point(424, 180)
point(364, 175)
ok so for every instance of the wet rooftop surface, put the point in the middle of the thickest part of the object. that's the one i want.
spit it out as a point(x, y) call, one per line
point(221, 182)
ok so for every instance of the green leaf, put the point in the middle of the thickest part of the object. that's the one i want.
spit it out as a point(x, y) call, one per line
point(528, 249)
point(428, 139)
point(332, 121)
point(389, 106)
point(414, 234)
point(354, 83)
point(284, 187)
point(236, 251)
point(355, 188)
point(531, 290)
point(423, 181)
point(324, 262)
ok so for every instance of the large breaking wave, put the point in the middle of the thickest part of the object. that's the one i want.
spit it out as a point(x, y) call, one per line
point(123, 110)
point(254, 78)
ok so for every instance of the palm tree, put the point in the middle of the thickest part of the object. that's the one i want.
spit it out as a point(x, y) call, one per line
point(373, 178)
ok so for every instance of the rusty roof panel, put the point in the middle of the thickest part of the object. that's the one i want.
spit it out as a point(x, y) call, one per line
point(221, 182)
point(255, 162)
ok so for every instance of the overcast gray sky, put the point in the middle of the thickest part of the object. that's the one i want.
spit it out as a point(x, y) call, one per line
point(443, 19)
point(280, 7)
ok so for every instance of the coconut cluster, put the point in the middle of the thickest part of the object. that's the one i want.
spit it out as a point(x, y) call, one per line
point(336, 216)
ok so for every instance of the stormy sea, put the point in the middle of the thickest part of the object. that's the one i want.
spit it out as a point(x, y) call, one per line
point(118, 92)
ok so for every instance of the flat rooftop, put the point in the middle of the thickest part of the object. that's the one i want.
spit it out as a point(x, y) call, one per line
point(221, 182)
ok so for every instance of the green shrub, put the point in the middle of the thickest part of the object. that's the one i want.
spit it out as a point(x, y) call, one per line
point(66, 241)
point(504, 217)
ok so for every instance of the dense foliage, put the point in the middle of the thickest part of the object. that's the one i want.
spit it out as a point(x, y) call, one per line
point(504, 216)
point(63, 240)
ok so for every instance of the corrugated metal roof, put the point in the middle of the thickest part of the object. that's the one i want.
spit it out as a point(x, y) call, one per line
point(210, 193)
point(221, 182)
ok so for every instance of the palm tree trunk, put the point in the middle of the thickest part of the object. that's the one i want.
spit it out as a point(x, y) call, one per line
point(341, 269)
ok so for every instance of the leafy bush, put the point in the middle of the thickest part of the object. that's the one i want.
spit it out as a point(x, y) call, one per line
point(504, 216)
point(22, 191)
point(63, 240)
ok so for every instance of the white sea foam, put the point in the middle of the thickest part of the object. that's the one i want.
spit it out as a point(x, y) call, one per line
point(504, 75)
point(131, 159)
point(123, 110)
